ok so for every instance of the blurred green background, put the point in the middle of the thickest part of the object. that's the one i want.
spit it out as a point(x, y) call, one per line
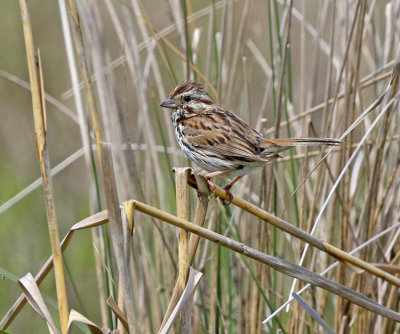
point(24, 237)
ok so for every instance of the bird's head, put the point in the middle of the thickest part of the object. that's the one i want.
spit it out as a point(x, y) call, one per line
point(190, 96)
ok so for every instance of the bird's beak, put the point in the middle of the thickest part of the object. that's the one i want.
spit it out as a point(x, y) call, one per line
point(168, 103)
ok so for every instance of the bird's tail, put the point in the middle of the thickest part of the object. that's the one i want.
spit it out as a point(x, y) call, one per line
point(274, 146)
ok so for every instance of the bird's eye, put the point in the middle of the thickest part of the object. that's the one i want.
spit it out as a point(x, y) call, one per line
point(187, 98)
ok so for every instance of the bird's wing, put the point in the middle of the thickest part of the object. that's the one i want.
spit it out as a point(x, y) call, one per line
point(220, 137)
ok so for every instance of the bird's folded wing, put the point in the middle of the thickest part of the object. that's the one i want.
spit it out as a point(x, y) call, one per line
point(228, 145)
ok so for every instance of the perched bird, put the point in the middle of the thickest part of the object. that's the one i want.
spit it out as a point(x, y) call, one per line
point(219, 141)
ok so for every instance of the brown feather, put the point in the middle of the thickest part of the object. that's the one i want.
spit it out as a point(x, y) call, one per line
point(217, 141)
point(279, 145)
point(185, 86)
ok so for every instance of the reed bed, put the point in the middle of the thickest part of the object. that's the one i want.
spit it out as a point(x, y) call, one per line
point(308, 244)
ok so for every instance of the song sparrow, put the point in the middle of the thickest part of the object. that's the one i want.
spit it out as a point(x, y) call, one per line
point(219, 141)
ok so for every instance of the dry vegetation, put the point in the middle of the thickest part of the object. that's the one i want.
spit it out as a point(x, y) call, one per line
point(292, 69)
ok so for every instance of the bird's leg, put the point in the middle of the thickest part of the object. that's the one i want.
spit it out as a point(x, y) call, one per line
point(226, 187)
point(210, 175)
point(229, 186)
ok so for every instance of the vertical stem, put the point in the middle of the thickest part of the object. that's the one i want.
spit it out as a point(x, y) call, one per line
point(78, 38)
point(117, 234)
point(183, 208)
point(187, 46)
point(39, 115)
point(199, 218)
point(183, 211)
point(213, 288)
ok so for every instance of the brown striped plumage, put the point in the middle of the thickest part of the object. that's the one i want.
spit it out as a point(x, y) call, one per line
point(218, 140)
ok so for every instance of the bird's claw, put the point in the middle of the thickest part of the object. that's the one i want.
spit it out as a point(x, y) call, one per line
point(212, 187)
point(229, 194)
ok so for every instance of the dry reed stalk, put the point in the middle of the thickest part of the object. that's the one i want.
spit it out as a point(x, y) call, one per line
point(334, 265)
point(84, 127)
point(372, 203)
point(90, 99)
point(187, 48)
point(261, 241)
point(351, 89)
point(221, 45)
point(128, 231)
point(331, 101)
point(183, 212)
point(35, 299)
point(313, 241)
point(194, 68)
point(387, 92)
point(127, 36)
point(391, 303)
point(143, 23)
point(371, 206)
point(97, 219)
point(256, 305)
point(213, 311)
point(387, 189)
point(39, 115)
point(200, 215)
point(278, 264)
point(282, 89)
point(80, 49)
point(118, 312)
point(212, 252)
point(237, 51)
point(117, 235)
point(303, 196)
point(157, 37)
point(296, 309)
point(75, 83)
point(317, 54)
point(199, 219)
point(322, 296)
point(302, 75)
point(265, 233)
